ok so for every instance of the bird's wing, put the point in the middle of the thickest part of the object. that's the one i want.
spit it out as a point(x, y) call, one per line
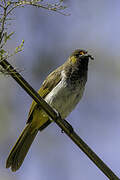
point(51, 81)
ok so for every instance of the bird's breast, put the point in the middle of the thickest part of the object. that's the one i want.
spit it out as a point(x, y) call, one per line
point(64, 97)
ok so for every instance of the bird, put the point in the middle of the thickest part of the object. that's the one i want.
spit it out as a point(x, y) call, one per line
point(62, 90)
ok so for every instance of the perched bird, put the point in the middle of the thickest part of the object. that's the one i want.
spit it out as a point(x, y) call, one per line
point(62, 89)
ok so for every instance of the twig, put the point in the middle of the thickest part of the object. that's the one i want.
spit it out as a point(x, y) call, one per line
point(56, 8)
point(1, 6)
point(4, 2)
point(63, 124)
point(3, 24)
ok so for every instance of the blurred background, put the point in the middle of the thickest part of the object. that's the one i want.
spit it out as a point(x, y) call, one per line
point(49, 40)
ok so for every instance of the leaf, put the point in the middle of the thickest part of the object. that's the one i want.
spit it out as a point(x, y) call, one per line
point(6, 37)
point(2, 51)
point(19, 48)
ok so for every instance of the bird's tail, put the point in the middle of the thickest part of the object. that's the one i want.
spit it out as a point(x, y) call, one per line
point(20, 149)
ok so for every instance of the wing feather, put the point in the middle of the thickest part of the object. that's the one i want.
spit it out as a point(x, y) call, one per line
point(51, 81)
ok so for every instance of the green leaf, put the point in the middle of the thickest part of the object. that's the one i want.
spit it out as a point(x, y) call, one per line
point(19, 48)
point(8, 3)
point(2, 51)
point(7, 36)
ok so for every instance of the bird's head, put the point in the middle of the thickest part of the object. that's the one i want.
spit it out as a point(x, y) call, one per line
point(80, 58)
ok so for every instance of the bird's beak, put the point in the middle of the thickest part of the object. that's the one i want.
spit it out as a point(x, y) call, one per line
point(87, 55)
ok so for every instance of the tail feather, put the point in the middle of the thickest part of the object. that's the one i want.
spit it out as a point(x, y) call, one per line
point(20, 149)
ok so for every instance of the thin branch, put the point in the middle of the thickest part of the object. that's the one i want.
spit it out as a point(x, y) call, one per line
point(4, 2)
point(1, 6)
point(9, 6)
point(3, 19)
point(63, 124)
point(55, 7)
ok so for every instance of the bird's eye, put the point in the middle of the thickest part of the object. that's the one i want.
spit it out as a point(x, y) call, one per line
point(82, 53)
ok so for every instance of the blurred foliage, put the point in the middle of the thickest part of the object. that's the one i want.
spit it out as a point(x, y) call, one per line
point(6, 9)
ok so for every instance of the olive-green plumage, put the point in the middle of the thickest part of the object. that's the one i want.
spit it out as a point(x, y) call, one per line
point(62, 89)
